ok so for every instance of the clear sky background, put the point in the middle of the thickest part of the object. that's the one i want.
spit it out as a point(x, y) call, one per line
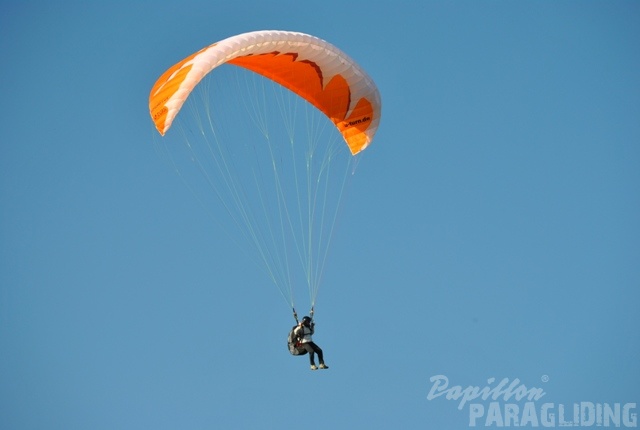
point(491, 231)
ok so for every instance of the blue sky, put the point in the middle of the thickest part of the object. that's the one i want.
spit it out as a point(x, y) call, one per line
point(491, 231)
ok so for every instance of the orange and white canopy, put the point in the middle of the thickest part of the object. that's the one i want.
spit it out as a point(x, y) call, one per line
point(310, 67)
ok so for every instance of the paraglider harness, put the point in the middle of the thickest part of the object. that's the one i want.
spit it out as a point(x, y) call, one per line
point(294, 342)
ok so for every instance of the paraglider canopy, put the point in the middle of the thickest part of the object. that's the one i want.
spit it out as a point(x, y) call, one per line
point(310, 67)
point(277, 168)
